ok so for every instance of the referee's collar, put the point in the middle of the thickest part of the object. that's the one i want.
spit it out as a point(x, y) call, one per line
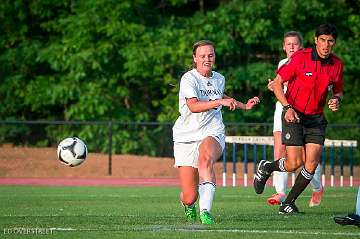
point(315, 57)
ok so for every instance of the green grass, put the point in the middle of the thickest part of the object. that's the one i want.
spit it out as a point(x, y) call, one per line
point(155, 212)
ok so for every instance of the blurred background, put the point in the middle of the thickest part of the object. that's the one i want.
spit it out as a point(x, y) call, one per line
point(109, 71)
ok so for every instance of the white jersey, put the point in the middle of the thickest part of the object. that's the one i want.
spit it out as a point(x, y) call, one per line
point(281, 63)
point(278, 107)
point(196, 126)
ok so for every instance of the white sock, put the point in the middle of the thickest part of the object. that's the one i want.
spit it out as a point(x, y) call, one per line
point(358, 203)
point(206, 195)
point(280, 181)
point(316, 180)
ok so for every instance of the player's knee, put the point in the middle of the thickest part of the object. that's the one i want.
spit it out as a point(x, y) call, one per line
point(205, 161)
point(292, 165)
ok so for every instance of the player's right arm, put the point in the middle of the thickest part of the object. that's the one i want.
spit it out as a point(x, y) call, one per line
point(334, 102)
point(277, 87)
point(290, 115)
point(197, 106)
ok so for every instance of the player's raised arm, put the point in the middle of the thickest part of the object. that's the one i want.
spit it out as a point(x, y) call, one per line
point(197, 106)
point(234, 104)
point(252, 102)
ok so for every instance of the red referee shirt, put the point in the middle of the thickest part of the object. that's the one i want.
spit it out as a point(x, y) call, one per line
point(310, 78)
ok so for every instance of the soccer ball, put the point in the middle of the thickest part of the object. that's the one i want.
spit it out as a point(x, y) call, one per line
point(72, 151)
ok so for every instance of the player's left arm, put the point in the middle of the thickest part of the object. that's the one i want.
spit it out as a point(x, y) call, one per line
point(239, 105)
point(335, 101)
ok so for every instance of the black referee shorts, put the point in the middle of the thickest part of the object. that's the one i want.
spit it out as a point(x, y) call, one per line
point(310, 129)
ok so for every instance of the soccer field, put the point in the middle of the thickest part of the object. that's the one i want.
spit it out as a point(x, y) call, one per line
point(155, 212)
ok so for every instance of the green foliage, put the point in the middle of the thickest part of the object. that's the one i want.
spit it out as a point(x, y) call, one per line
point(122, 60)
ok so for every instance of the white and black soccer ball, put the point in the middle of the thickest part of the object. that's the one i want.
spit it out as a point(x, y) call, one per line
point(72, 151)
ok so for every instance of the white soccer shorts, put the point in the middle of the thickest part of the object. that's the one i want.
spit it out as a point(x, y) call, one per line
point(277, 117)
point(187, 153)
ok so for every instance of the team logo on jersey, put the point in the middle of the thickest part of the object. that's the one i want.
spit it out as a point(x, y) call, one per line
point(287, 136)
point(308, 74)
point(209, 84)
point(209, 93)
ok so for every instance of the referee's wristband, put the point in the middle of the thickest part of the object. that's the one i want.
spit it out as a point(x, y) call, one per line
point(286, 107)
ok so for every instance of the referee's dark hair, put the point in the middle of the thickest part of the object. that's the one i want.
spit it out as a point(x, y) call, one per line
point(326, 29)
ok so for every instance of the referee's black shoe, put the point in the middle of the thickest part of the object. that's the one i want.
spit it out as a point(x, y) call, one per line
point(261, 177)
point(288, 208)
point(351, 219)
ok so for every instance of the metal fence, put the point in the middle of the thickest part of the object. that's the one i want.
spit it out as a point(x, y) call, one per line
point(256, 148)
point(137, 138)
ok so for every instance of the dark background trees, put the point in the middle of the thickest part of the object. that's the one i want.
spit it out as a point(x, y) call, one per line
point(122, 60)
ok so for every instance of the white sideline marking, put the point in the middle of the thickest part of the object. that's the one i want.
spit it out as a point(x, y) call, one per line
point(62, 229)
point(199, 229)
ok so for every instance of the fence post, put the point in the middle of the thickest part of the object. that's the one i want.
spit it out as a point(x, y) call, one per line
point(332, 164)
point(351, 164)
point(341, 158)
point(245, 165)
point(224, 167)
point(234, 165)
point(110, 147)
point(323, 165)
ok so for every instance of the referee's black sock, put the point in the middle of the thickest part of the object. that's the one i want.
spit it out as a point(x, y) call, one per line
point(301, 182)
point(277, 165)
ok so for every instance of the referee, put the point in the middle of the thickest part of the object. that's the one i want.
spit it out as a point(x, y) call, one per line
point(311, 73)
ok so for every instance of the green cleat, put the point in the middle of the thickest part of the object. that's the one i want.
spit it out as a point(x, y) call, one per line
point(190, 213)
point(206, 218)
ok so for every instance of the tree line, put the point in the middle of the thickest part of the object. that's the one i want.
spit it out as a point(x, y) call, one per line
point(122, 60)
